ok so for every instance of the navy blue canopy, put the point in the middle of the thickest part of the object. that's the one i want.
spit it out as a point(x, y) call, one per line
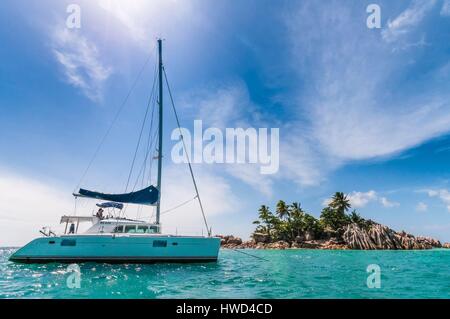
point(110, 205)
point(146, 196)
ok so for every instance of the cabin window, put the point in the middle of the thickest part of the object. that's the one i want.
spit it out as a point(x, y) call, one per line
point(153, 230)
point(118, 229)
point(68, 242)
point(160, 243)
point(130, 229)
point(51, 242)
point(142, 229)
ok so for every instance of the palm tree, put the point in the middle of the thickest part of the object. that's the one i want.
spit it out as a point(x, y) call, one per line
point(312, 225)
point(296, 211)
point(266, 217)
point(334, 215)
point(356, 218)
point(282, 209)
point(340, 202)
point(297, 222)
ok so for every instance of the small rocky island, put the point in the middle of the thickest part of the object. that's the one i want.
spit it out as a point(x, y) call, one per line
point(291, 227)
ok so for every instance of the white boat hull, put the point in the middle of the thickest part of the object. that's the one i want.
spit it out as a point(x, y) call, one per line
point(111, 248)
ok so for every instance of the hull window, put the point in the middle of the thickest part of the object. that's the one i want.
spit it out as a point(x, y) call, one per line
point(130, 229)
point(160, 243)
point(68, 242)
point(142, 229)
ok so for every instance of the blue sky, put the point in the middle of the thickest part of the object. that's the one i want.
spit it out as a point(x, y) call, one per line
point(363, 111)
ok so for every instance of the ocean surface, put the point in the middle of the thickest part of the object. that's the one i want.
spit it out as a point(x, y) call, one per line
point(282, 274)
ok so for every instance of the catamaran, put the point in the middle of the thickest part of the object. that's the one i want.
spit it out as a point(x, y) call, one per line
point(112, 238)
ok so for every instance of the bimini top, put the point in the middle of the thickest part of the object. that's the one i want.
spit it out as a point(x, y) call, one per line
point(146, 196)
point(110, 205)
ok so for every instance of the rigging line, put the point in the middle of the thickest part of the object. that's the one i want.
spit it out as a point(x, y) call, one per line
point(102, 141)
point(149, 144)
point(137, 147)
point(144, 164)
point(153, 140)
point(140, 172)
point(179, 205)
point(148, 178)
point(153, 213)
point(149, 138)
point(146, 157)
point(150, 100)
point(186, 152)
point(124, 210)
point(254, 256)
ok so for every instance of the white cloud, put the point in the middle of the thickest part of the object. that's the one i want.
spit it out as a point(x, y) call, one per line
point(216, 193)
point(229, 105)
point(348, 110)
point(367, 131)
point(407, 20)
point(251, 175)
point(80, 61)
point(223, 105)
point(300, 159)
point(361, 199)
point(387, 203)
point(442, 194)
point(422, 42)
point(126, 13)
point(421, 207)
point(144, 20)
point(445, 10)
point(27, 205)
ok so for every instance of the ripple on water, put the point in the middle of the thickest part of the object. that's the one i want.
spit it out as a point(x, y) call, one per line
point(285, 274)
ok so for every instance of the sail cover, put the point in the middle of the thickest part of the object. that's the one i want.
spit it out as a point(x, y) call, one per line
point(146, 196)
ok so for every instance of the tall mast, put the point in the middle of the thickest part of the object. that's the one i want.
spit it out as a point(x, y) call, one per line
point(160, 135)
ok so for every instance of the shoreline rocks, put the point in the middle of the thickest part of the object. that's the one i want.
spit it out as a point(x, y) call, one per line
point(377, 237)
point(382, 237)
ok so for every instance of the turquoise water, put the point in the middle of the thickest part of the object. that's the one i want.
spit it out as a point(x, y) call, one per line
point(285, 274)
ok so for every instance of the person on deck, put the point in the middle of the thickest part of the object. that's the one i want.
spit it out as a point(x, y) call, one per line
point(99, 214)
point(72, 229)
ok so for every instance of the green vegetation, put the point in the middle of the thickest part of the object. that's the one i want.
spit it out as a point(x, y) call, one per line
point(291, 222)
